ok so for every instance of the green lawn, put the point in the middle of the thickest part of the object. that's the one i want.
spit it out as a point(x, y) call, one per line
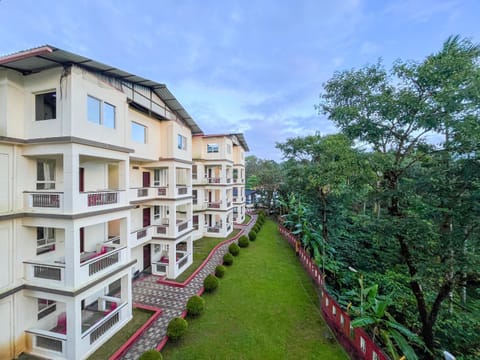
point(201, 249)
point(140, 317)
point(265, 308)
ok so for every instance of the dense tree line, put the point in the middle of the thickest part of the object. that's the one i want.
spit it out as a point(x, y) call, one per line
point(389, 207)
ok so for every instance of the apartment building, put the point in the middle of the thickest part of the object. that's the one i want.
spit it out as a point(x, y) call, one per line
point(218, 174)
point(99, 184)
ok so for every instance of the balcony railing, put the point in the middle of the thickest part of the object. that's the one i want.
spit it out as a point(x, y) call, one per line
point(161, 229)
point(48, 341)
point(162, 191)
point(182, 226)
point(45, 271)
point(214, 204)
point(45, 200)
point(159, 268)
point(214, 180)
point(213, 229)
point(102, 261)
point(182, 190)
point(142, 192)
point(102, 198)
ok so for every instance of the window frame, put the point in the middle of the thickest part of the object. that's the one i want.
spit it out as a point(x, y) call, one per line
point(50, 182)
point(212, 148)
point(47, 241)
point(43, 94)
point(181, 142)
point(132, 123)
point(101, 108)
point(49, 307)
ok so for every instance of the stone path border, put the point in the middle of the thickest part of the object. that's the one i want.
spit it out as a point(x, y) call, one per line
point(169, 299)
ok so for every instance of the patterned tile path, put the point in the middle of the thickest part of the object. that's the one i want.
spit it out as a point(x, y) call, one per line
point(171, 299)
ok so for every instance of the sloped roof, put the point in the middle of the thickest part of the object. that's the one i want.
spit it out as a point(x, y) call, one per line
point(48, 57)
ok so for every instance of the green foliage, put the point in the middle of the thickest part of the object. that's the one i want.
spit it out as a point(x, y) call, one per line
point(409, 204)
point(220, 271)
point(151, 354)
point(256, 228)
point(195, 305)
point(243, 241)
point(228, 259)
point(252, 235)
point(177, 327)
point(210, 284)
point(234, 249)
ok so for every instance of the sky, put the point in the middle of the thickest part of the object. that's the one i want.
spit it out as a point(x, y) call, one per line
point(255, 67)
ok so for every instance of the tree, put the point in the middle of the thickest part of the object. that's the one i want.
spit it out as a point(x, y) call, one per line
point(422, 121)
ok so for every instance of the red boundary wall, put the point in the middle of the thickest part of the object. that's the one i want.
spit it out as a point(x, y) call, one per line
point(355, 341)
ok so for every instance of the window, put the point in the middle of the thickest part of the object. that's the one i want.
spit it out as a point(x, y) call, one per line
point(45, 240)
point(363, 344)
point(182, 142)
point(194, 197)
point(46, 106)
point(229, 149)
point(139, 133)
point(101, 113)
point(212, 148)
point(45, 307)
point(45, 174)
point(156, 212)
point(108, 115)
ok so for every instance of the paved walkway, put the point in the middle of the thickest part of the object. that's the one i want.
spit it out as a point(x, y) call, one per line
point(171, 299)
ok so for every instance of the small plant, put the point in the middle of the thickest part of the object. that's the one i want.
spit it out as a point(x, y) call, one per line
point(256, 228)
point(177, 328)
point(243, 241)
point(234, 249)
point(195, 305)
point(228, 259)
point(151, 354)
point(220, 271)
point(252, 235)
point(210, 283)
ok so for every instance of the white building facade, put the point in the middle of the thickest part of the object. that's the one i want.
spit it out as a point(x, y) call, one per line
point(97, 186)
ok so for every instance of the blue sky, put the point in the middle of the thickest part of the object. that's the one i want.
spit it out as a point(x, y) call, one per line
point(255, 67)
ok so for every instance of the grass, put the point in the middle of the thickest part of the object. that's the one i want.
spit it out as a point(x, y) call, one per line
point(266, 307)
point(201, 249)
point(140, 317)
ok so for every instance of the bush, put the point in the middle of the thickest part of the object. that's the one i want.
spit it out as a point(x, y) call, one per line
point(151, 354)
point(243, 241)
point(256, 228)
point(195, 305)
point(234, 249)
point(252, 235)
point(176, 328)
point(228, 259)
point(210, 283)
point(220, 271)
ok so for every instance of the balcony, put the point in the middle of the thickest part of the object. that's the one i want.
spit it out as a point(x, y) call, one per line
point(44, 200)
point(182, 190)
point(214, 204)
point(99, 198)
point(214, 229)
point(91, 263)
point(182, 225)
point(200, 206)
point(48, 343)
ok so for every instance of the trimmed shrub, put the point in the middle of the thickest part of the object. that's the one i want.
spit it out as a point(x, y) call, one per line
point(256, 228)
point(220, 271)
point(234, 249)
point(228, 259)
point(177, 328)
point(252, 235)
point(151, 354)
point(210, 283)
point(195, 305)
point(243, 241)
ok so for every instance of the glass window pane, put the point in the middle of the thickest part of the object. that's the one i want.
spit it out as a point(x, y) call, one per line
point(139, 133)
point(93, 110)
point(109, 115)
